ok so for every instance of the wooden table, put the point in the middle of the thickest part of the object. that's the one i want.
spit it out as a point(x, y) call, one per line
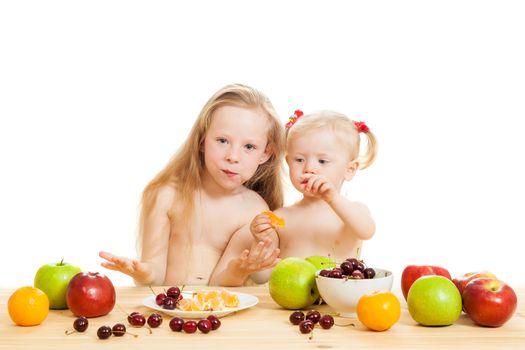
point(264, 326)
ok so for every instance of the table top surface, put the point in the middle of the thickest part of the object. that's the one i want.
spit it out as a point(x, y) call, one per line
point(264, 325)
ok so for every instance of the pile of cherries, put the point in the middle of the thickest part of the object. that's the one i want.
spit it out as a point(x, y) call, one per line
point(307, 322)
point(351, 268)
point(169, 299)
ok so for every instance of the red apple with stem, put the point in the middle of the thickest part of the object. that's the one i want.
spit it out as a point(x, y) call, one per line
point(489, 302)
point(412, 272)
point(90, 294)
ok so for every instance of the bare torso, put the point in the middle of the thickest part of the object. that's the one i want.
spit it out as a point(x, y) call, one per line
point(193, 254)
point(315, 230)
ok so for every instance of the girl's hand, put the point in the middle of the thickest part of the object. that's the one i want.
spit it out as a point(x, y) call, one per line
point(318, 186)
point(132, 267)
point(261, 227)
point(257, 259)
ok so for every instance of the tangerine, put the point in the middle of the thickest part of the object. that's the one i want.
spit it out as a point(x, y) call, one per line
point(275, 220)
point(378, 310)
point(28, 306)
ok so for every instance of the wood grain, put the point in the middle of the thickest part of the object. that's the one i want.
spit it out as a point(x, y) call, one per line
point(264, 326)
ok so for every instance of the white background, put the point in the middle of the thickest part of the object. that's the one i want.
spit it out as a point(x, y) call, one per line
point(96, 96)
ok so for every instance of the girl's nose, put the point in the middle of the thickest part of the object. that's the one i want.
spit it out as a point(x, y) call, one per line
point(309, 168)
point(232, 155)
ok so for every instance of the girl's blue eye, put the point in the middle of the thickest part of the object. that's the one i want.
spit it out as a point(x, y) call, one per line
point(323, 161)
point(299, 160)
point(222, 140)
point(250, 147)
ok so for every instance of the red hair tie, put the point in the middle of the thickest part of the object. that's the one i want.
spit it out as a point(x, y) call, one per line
point(291, 121)
point(361, 127)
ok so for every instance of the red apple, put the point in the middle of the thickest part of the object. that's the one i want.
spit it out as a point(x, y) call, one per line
point(90, 294)
point(463, 280)
point(489, 302)
point(412, 272)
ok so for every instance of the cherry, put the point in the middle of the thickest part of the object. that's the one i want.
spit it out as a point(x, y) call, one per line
point(169, 303)
point(313, 315)
point(104, 332)
point(80, 325)
point(215, 322)
point(336, 273)
point(306, 326)
point(173, 292)
point(357, 274)
point(354, 263)
point(154, 320)
point(360, 266)
point(326, 321)
point(159, 299)
point(118, 330)
point(324, 273)
point(204, 326)
point(347, 267)
point(136, 319)
point(189, 326)
point(176, 324)
point(369, 273)
point(296, 317)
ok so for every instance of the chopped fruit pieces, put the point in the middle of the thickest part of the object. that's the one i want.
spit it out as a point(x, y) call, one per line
point(204, 300)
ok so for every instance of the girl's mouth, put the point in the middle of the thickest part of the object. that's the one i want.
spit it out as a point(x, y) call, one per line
point(229, 173)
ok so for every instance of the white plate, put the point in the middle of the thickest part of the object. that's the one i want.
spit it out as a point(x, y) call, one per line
point(245, 301)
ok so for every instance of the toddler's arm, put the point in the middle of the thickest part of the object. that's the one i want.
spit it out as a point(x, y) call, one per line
point(237, 262)
point(354, 215)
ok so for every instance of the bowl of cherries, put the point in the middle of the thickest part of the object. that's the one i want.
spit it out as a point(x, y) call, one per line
point(341, 287)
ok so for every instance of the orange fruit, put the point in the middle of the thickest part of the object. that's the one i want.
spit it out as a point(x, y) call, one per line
point(378, 310)
point(230, 300)
point(275, 220)
point(28, 306)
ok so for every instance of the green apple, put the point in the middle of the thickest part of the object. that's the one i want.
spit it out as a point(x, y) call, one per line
point(434, 301)
point(292, 283)
point(321, 262)
point(53, 280)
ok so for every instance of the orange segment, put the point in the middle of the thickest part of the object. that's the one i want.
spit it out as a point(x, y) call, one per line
point(204, 300)
point(275, 220)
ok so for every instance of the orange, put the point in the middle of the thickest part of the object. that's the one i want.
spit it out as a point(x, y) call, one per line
point(204, 300)
point(275, 220)
point(28, 306)
point(230, 300)
point(378, 310)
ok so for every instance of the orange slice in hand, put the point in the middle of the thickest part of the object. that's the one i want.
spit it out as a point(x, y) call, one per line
point(275, 220)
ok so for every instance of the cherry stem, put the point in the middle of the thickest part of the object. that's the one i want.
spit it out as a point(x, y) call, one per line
point(152, 290)
point(126, 332)
point(61, 262)
point(344, 325)
point(70, 332)
point(121, 309)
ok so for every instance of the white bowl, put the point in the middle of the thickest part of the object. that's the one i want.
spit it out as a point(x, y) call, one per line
point(343, 294)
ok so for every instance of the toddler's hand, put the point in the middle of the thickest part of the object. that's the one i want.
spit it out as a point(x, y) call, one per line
point(132, 267)
point(257, 259)
point(318, 186)
point(261, 227)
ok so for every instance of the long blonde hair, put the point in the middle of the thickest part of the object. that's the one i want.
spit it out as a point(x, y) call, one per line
point(184, 170)
point(343, 127)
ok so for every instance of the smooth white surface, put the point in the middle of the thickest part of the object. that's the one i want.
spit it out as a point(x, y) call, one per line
point(245, 301)
point(95, 97)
